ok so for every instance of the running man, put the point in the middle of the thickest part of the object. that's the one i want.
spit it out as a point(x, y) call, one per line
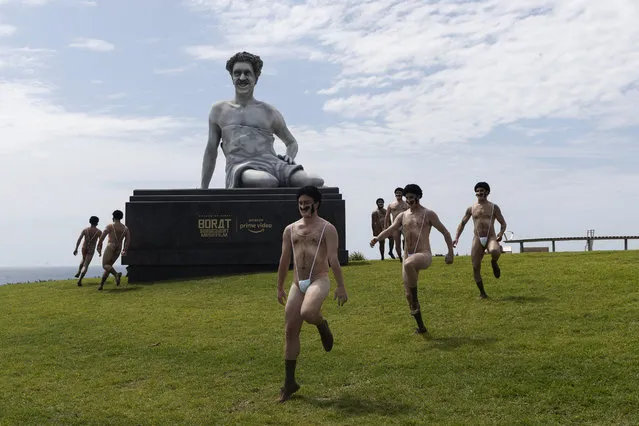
point(416, 223)
point(118, 242)
point(393, 210)
point(313, 243)
point(484, 214)
point(90, 235)
point(378, 221)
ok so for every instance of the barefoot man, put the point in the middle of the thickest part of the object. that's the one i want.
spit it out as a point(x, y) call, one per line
point(416, 222)
point(484, 214)
point(90, 235)
point(313, 243)
point(118, 238)
point(394, 209)
point(378, 222)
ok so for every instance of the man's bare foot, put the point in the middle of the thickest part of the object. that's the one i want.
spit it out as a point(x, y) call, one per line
point(101, 285)
point(421, 330)
point(483, 296)
point(392, 256)
point(325, 335)
point(118, 276)
point(496, 270)
point(80, 283)
point(288, 390)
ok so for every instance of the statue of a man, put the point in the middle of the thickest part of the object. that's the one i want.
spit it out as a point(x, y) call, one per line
point(246, 126)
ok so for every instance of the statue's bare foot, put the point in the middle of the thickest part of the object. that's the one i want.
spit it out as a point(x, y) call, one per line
point(288, 390)
point(496, 270)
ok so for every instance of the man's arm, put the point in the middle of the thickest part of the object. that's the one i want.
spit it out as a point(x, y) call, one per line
point(106, 231)
point(127, 239)
point(437, 224)
point(210, 153)
point(502, 222)
point(332, 243)
point(281, 131)
point(387, 217)
point(372, 222)
point(77, 243)
point(285, 261)
point(460, 228)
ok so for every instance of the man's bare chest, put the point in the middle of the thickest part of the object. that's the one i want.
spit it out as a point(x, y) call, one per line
point(250, 116)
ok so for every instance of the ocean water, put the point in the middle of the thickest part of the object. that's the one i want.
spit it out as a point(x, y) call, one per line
point(48, 273)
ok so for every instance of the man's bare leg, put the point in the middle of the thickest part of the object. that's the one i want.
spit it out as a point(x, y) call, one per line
point(398, 244)
point(292, 327)
point(312, 310)
point(410, 273)
point(302, 178)
point(381, 249)
point(79, 268)
point(476, 256)
point(495, 251)
point(258, 179)
point(391, 244)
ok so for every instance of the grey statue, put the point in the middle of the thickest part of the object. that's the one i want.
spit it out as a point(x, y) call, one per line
point(245, 128)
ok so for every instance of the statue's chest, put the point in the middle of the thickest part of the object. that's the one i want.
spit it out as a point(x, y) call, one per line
point(249, 116)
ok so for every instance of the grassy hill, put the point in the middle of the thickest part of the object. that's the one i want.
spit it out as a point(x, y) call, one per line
point(557, 342)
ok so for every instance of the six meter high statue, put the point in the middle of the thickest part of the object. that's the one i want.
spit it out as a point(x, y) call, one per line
point(197, 232)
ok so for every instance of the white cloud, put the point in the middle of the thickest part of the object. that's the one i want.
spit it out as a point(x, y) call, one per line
point(93, 44)
point(450, 71)
point(7, 30)
point(170, 71)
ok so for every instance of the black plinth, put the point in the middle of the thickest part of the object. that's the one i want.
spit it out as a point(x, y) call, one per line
point(185, 233)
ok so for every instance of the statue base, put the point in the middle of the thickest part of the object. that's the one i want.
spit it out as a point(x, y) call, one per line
point(188, 233)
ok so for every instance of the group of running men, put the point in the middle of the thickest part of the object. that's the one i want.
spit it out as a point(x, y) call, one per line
point(117, 244)
point(313, 243)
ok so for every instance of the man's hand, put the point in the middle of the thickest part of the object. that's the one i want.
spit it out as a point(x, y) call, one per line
point(374, 241)
point(455, 241)
point(281, 296)
point(449, 258)
point(123, 252)
point(341, 296)
point(99, 249)
point(499, 237)
point(75, 252)
point(286, 158)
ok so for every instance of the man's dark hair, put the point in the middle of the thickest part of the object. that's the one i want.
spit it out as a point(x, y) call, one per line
point(399, 189)
point(312, 192)
point(483, 185)
point(411, 188)
point(93, 220)
point(378, 200)
point(254, 60)
point(118, 215)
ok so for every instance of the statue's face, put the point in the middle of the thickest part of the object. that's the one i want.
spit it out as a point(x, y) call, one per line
point(243, 77)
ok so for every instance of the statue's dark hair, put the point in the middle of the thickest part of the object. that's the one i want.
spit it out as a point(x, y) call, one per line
point(254, 60)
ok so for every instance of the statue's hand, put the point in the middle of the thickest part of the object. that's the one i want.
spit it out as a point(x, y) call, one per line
point(286, 158)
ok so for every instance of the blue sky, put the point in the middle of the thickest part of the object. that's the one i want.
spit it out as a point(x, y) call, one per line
point(537, 97)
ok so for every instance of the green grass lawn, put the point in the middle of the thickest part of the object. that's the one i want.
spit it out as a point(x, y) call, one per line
point(556, 343)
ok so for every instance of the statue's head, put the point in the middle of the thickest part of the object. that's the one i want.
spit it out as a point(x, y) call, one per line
point(245, 69)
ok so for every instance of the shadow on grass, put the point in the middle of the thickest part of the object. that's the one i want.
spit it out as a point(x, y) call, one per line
point(522, 299)
point(358, 405)
point(447, 343)
point(119, 290)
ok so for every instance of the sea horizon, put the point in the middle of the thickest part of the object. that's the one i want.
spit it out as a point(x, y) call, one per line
point(33, 274)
